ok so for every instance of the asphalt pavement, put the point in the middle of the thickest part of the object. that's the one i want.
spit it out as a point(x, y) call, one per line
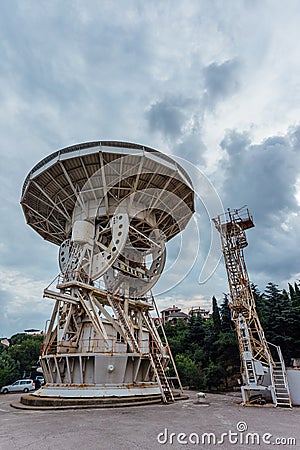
point(219, 422)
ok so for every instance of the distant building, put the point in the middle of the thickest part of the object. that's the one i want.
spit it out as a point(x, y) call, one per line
point(33, 331)
point(157, 321)
point(5, 342)
point(197, 311)
point(173, 315)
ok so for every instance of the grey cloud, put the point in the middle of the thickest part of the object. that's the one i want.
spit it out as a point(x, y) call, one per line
point(168, 116)
point(191, 147)
point(221, 80)
point(19, 313)
point(294, 134)
point(77, 71)
point(263, 176)
point(235, 141)
point(179, 121)
point(16, 237)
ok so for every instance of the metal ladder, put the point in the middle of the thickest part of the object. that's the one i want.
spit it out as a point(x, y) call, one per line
point(233, 269)
point(279, 381)
point(115, 304)
point(165, 389)
point(156, 355)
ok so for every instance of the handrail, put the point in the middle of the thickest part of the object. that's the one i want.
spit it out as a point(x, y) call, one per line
point(168, 347)
point(92, 345)
point(270, 360)
point(281, 360)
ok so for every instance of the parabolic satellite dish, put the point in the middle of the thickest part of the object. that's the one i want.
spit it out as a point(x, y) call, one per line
point(111, 207)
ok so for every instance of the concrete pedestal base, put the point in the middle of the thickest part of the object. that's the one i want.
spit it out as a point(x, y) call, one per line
point(67, 397)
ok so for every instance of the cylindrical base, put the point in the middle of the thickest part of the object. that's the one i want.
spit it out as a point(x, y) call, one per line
point(68, 396)
point(75, 397)
point(30, 401)
point(97, 391)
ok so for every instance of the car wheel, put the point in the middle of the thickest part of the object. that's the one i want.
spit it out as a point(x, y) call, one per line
point(26, 390)
point(5, 391)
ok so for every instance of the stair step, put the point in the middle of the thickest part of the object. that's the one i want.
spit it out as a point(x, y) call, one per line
point(162, 379)
point(124, 323)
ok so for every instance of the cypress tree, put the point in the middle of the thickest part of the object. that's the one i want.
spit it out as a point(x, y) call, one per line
point(226, 322)
point(216, 315)
point(297, 294)
point(196, 332)
point(293, 295)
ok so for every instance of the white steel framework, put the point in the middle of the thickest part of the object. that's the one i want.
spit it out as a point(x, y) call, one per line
point(262, 369)
point(111, 207)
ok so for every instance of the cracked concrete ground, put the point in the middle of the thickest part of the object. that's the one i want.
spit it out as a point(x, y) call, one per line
point(180, 425)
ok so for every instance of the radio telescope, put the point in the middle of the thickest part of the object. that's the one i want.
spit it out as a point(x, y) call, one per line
point(111, 207)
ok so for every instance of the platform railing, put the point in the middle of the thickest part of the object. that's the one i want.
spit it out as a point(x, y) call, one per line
point(93, 346)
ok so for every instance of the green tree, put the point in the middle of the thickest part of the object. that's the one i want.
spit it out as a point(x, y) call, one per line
point(26, 353)
point(177, 336)
point(280, 318)
point(18, 338)
point(196, 332)
point(9, 368)
point(295, 294)
point(226, 322)
point(208, 357)
point(216, 315)
point(214, 375)
point(297, 291)
point(189, 370)
point(228, 357)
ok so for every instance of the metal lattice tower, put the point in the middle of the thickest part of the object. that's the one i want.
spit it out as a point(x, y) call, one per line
point(262, 369)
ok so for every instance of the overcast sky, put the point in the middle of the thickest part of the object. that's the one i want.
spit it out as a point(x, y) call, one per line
point(214, 82)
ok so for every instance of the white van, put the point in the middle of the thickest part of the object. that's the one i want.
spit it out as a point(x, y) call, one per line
point(19, 385)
